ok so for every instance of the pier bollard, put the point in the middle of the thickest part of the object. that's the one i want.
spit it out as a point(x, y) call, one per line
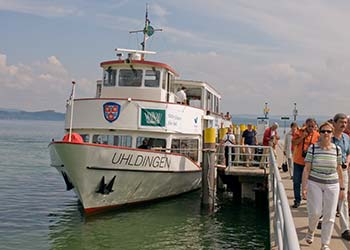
point(208, 168)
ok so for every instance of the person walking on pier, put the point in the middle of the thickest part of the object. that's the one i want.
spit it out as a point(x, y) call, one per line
point(270, 139)
point(229, 140)
point(249, 138)
point(323, 184)
point(288, 148)
point(341, 139)
point(301, 141)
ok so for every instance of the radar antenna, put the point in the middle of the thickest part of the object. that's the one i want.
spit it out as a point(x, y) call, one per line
point(147, 31)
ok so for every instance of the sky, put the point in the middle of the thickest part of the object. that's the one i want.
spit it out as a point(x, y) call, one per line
point(253, 52)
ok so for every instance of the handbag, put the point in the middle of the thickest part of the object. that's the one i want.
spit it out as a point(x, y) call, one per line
point(285, 166)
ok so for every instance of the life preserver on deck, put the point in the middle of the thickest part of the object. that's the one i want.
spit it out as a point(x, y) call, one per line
point(75, 138)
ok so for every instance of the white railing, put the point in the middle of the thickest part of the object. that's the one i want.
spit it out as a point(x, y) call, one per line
point(284, 229)
point(244, 155)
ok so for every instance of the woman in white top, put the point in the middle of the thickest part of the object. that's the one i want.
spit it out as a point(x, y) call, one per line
point(288, 147)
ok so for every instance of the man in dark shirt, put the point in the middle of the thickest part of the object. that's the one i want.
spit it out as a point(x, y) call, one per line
point(248, 138)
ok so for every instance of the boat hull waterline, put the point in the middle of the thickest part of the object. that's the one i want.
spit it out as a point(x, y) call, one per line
point(106, 176)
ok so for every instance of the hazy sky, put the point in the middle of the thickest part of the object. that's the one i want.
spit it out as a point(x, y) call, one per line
point(252, 52)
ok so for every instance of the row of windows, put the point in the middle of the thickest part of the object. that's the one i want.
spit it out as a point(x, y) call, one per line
point(131, 78)
point(188, 147)
point(212, 102)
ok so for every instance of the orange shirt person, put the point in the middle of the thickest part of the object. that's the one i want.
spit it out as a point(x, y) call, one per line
point(301, 141)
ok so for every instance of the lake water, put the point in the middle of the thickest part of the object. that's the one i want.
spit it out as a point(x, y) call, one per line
point(37, 213)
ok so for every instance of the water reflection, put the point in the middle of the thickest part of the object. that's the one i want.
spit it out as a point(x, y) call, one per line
point(171, 224)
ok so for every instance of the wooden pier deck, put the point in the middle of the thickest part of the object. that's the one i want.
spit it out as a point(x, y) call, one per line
point(301, 219)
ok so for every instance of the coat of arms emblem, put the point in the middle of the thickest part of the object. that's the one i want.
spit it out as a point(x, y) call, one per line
point(111, 111)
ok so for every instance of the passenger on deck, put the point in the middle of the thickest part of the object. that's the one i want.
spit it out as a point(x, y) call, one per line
point(323, 184)
point(144, 144)
point(229, 140)
point(301, 141)
point(181, 96)
point(249, 138)
point(288, 147)
point(228, 116)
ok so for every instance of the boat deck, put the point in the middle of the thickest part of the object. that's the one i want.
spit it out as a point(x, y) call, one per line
point(301, 220)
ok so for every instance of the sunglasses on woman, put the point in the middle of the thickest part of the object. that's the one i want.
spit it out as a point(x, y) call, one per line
point(326, 131)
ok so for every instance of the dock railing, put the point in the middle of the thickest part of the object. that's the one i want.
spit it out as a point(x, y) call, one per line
point(244, 155)
point(285, 235)
point(282, 228)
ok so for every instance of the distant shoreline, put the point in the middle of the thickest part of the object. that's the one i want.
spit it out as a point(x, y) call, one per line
point(46, 115)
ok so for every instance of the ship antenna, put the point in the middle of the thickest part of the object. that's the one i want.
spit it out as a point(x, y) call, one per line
point(147, 31)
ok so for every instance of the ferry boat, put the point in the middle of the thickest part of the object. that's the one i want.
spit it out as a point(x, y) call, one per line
point(133, 142)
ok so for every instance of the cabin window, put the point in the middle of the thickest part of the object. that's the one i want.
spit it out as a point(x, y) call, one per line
point(130, 77)
point(188, 147)
point(216, 105)
point(116, 140)
point(123, 140)
point(164, 81)
point(171, 80)
point(85, 137)
point(208, 100)
point(152, 78)
point(194, 97)
point(109, 77)
point(150, 143)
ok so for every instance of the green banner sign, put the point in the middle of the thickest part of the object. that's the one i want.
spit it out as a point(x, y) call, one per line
point(153, 117)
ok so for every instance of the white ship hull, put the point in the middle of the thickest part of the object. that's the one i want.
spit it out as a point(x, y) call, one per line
point(106, 176)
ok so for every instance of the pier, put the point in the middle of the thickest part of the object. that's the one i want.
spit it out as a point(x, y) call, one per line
point(288, 226)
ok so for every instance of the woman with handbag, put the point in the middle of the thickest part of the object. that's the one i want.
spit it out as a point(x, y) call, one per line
point(322, 184)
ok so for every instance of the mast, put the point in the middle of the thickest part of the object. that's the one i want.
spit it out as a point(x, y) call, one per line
point(147, 31)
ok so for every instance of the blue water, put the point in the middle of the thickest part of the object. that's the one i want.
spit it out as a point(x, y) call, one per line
point(37, 213)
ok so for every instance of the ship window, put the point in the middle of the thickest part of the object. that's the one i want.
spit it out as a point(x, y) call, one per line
point(164, 81)
point(116, 140)
point(188, 147)
point(109, 76)
point(194, 97)
point(130, 77)
point(150, 143)
point(86, 137)
point(152, 78)
point(171, 82)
